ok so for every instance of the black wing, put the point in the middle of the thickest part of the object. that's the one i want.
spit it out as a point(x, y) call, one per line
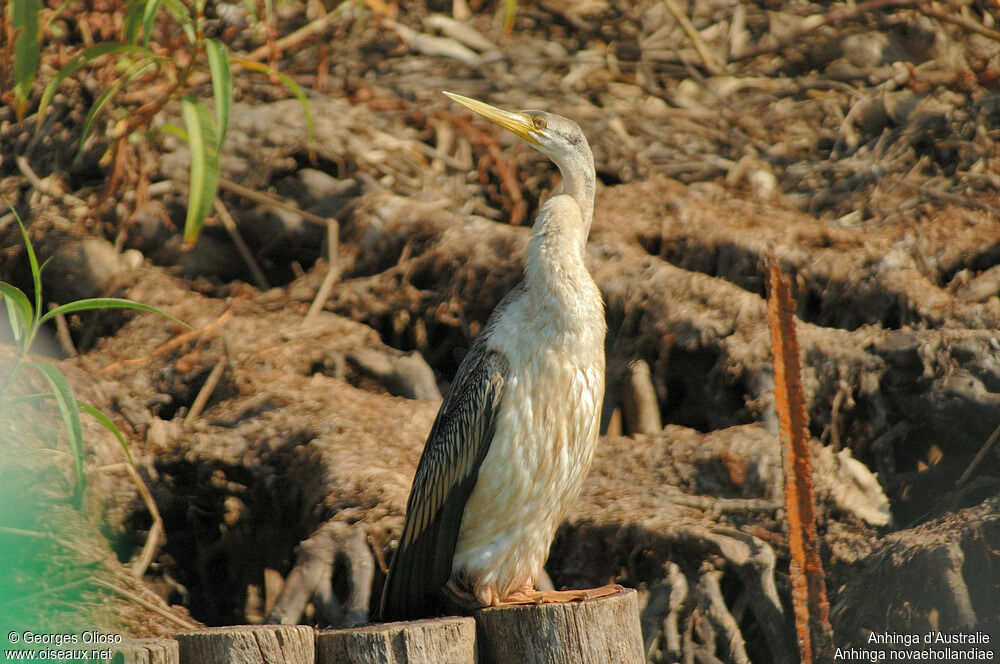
point(446, 475)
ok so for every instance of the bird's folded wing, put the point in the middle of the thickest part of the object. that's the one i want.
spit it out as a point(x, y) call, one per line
point(446, 475)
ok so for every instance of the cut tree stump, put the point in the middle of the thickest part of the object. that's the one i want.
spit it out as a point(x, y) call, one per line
point(594, 631)
point(437, 641)
point(249, 644)
point(146, 651)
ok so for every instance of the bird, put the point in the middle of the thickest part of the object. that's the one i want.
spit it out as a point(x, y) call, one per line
point(517, 430)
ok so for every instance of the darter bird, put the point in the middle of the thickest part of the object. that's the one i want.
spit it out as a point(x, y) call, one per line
point(516, 433)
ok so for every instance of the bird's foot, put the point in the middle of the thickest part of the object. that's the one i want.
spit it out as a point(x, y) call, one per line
point(463, 599)
point(532, 596)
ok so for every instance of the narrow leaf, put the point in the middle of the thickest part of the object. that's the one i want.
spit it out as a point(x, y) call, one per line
point(130, 73)
point(17, 324)
point(509, 15)
point(36, 273)
point(148, 16)
point(222, 85)
point(132, 21)
point(63, 394)
point(296, 90)
point(18, 309)
point(171, 128)
point(289, 84)
point(107, 424)
point(24, 398)
point(55, 14)
point(104, 303)
point(27, 49)
point(74, 65)
point(182, 14)
point(204, 180)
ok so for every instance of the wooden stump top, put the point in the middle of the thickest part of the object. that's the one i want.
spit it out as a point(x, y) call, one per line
point(437, 641)
point(146, 651)
point(249, 644)
point(594, 631)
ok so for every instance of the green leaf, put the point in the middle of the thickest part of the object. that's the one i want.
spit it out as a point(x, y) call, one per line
point(289, 84)
point(63, 394)
point(509, 15)
point(17, 323)
point(24, 398)
point(131, 21)
point(105, 303)
point(204, 182)
point(74, 65)
point(171, 128)
point(148, 16)
point(130, 73)
point(27, 49)
point(107, 424)
point(296, 90)
point(18, 308)
point(55, 14)
point(36, 273)
point(181, 13)
point(222, 85)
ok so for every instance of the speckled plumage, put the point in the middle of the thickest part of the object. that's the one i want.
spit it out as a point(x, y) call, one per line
point(516, 433)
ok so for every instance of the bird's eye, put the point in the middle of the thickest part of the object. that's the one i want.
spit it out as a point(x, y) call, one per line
point(539, 123)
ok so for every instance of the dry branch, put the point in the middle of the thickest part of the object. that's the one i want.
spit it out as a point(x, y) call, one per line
point(812, 610)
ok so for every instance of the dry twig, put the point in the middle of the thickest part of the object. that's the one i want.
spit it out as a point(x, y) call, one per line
point(980, 455)
point(270, 201)
point(332, 271)
point(205, 393)
point(234, 233)
point(706, 56)
point(173, 343)
point(132, 597)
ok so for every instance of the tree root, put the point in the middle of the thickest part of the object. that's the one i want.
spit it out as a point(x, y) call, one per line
point(335, 552)
point(694, 598)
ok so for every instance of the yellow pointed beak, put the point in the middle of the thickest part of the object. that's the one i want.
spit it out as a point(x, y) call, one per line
point(519, 123)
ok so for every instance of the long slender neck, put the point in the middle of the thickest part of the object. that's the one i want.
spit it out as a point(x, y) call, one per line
point(555, 269)
point(580, 182)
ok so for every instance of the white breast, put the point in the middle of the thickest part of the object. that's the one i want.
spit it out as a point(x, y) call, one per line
point(544, 442)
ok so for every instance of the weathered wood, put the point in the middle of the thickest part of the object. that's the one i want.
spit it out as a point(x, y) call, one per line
point(438, 641)
point(593, 631)
point(249, 644)
point(146, 651)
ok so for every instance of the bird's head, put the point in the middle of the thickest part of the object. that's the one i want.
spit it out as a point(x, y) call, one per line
point(558, 138)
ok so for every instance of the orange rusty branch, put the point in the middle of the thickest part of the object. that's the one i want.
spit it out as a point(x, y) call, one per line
point(812, 610)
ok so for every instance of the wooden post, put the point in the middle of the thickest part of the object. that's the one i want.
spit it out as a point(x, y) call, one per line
point(438, 641)
point(594, 631)
point(249, 644)
point(146, 651)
